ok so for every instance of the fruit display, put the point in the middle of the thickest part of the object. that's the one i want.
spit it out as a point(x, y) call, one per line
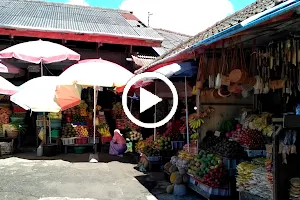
point(162, 143)
point(150, 151)
point(140, 145)
point(203, 163)
point(185, 155)
point(260, 123)
point(215, 177)
point(173, 131)
point(181, 164)
point(68, 131)
point(81, 131)
point(195, 136)
point(252, 139)
point(55, 115)
point(77, 118)
point(134, 136)
point(253, 178)
point(103, 130)
point(228, 149)
point(228, 125)
point(117, 110)
point(209, 141)
point(192, 148)
point(4, 115)
point(196, 123)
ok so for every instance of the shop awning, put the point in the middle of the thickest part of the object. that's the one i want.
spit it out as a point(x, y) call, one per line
point(184, 69)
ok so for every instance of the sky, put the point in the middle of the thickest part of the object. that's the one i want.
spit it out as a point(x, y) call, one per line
point(183, 16)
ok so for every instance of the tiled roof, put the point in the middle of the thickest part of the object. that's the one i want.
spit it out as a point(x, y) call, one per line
point(251, 10)
point(57, 17)
point(171, 40)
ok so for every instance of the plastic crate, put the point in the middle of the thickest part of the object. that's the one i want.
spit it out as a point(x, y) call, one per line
point(55, 133)
point(81, 140)
point(213, 191)
point(55, 123)
point(68, 141)
point(79, 150)
point(106, 139)
point(91, 140)
point(154, 158)
point(256, 153)
point(177, 145)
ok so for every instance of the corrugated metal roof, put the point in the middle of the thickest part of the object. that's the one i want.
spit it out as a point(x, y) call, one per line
point(171, 40)
point(26, 14)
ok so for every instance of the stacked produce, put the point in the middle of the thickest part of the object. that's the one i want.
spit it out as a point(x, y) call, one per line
point(228, 125)
point(173, 131)
point(81, 131)
point(178, 179)
point(150, 151)
point(103, 130)
point(203, 163)
point(4, 115)
point(78, 119)
point(180, 163)
point(134, 136)
point(295, 188)
point(185, 155)
point(83, 109)
point(228, 149)
point(260, 123)
point(252, 139)
point(162, 143)
point(57, 116)
point(207, 168)
point(252, 178)
point(192, 148)
point(269, 168)
point(117, 110)
point(209, 141)
point(68, 131)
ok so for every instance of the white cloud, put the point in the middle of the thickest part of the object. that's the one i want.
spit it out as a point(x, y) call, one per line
point(185, 16)
point(78, 2)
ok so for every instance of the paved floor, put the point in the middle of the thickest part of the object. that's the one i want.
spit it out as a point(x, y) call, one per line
point(71, 177)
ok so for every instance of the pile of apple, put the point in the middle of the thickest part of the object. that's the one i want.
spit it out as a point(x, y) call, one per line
point(215, 177)
point(252, 139)
point(235, 133)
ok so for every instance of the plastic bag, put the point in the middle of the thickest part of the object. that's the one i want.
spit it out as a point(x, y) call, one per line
point(41, 134)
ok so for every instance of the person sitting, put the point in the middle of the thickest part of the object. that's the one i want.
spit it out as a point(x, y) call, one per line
point(117, 144)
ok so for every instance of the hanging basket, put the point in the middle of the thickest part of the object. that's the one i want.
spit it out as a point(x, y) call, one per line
point(238, 76)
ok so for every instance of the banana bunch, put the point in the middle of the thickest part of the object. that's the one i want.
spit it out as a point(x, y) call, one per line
point(196, 123)
point(104, 131)
point(268, 131)
point(195, 136)
point(185, 155)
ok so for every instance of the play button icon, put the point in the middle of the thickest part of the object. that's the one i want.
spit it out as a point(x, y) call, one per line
point(147, 100)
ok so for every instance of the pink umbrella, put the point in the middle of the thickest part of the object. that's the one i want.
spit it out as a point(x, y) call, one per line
point(7, 87)
point(40, 52)
point(9, 70)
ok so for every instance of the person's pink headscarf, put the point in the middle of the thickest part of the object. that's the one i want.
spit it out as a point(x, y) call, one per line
point(118, 137)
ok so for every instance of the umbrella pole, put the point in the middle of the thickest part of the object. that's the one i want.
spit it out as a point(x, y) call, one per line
point(186, 116)
point(154, 112)
point(44, 115)
point(95, 103)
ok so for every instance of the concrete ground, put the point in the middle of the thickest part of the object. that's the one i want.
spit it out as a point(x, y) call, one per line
point(71, 177)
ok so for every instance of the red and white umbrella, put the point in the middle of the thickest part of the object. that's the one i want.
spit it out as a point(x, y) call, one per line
point(9, 71)
point(39, 52)
point(6, 87)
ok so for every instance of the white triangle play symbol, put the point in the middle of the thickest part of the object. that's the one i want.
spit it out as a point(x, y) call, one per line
point(147, 100)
